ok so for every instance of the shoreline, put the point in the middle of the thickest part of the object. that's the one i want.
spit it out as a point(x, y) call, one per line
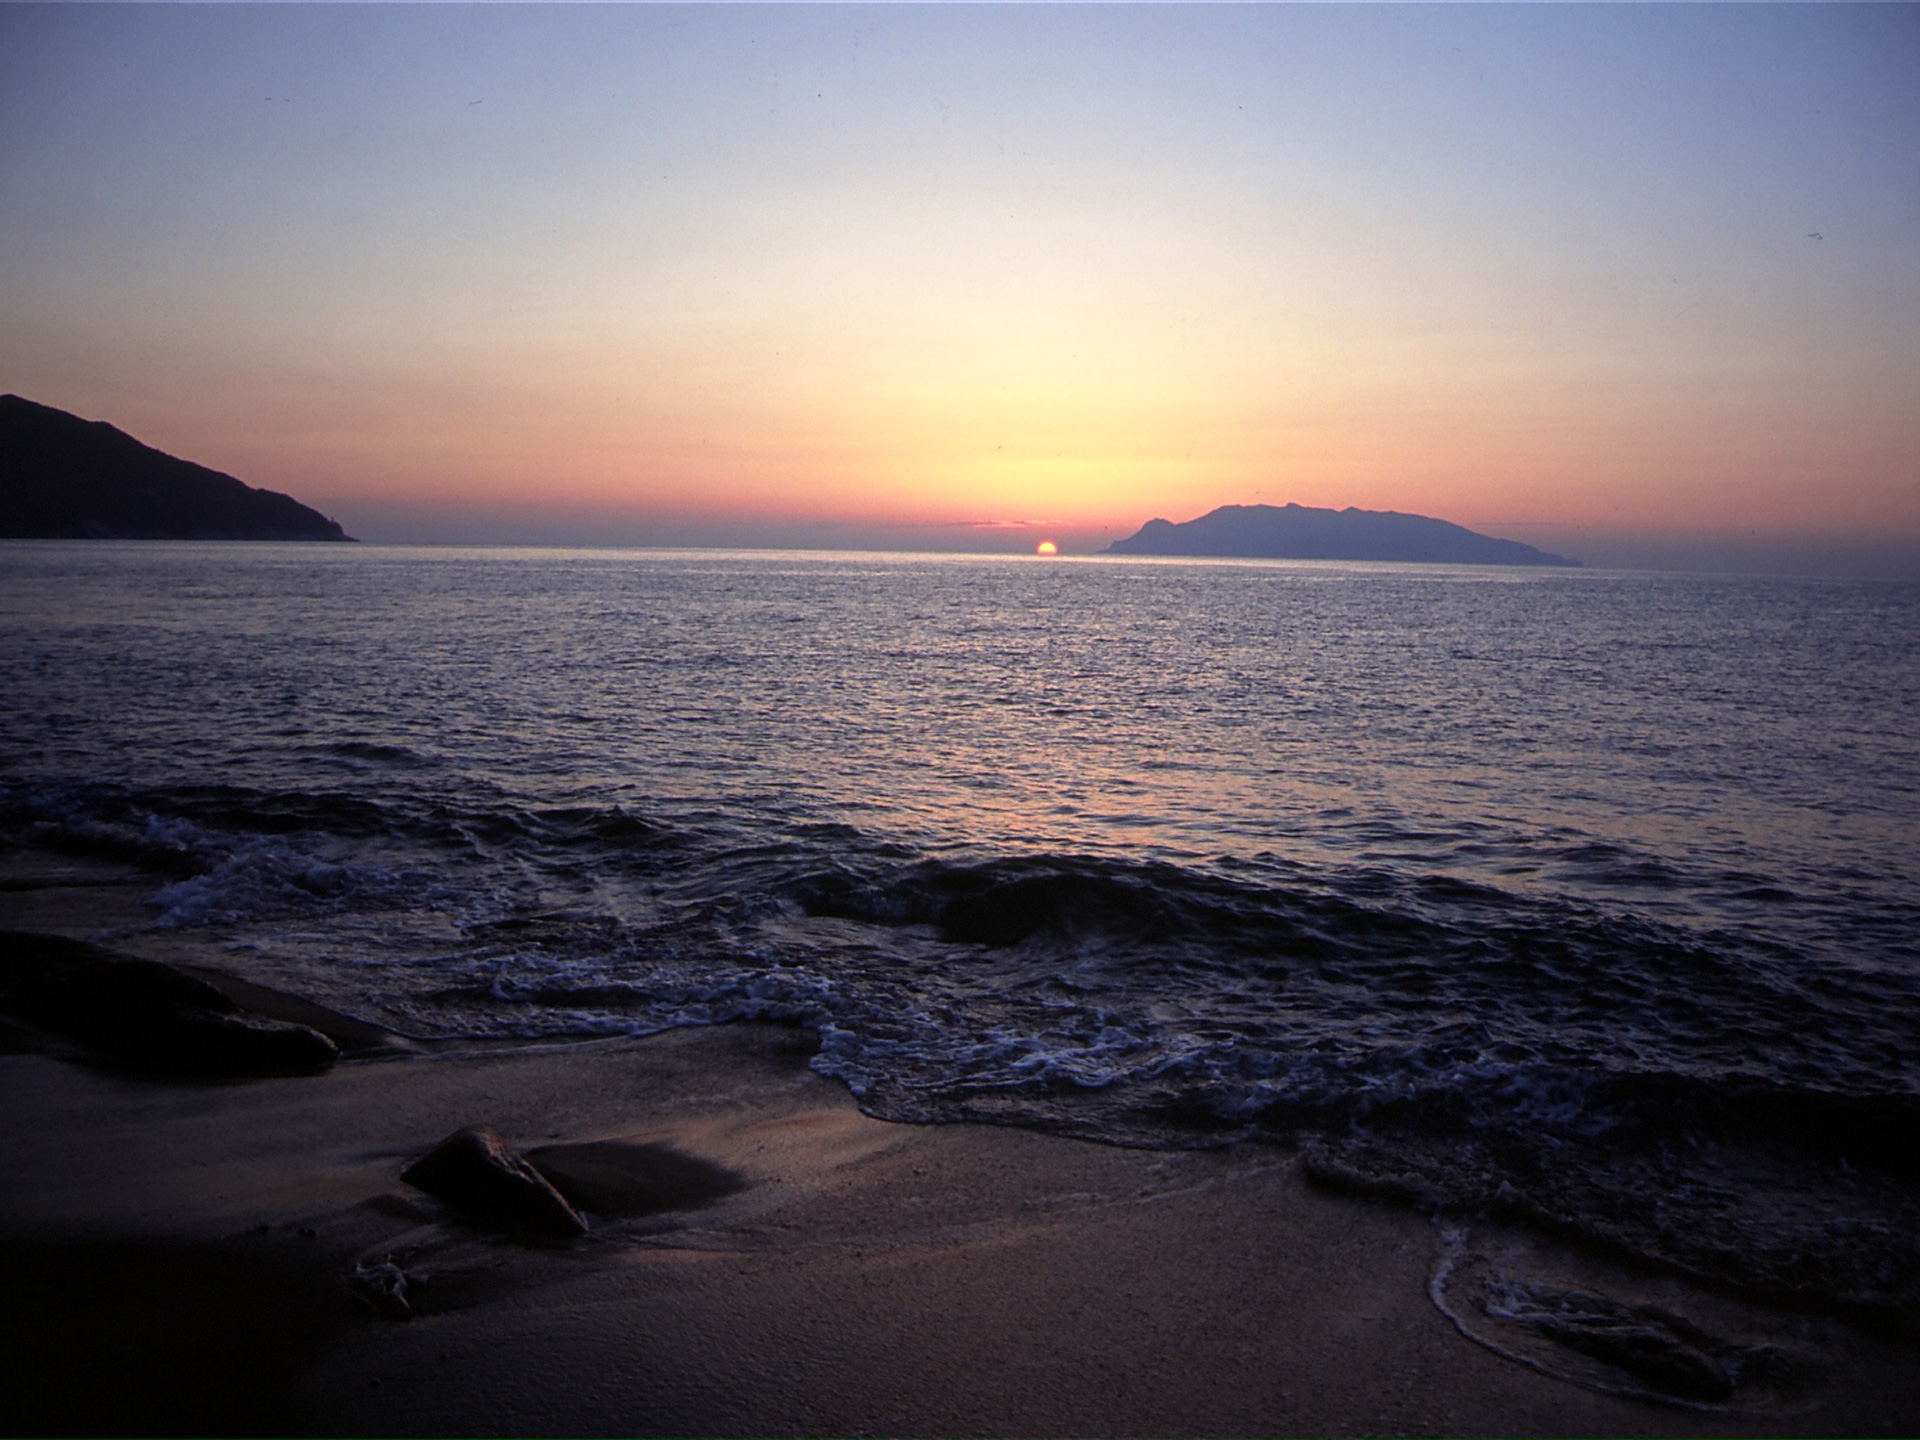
point(181, 1254)
point(871, 1278)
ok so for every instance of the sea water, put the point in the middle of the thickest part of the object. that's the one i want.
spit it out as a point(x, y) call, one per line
point(1585, 898)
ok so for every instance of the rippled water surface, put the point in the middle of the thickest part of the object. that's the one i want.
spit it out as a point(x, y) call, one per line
point(1586, 896)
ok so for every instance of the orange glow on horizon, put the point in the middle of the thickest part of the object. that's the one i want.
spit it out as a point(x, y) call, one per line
point(1046, 547)
point(943, 303)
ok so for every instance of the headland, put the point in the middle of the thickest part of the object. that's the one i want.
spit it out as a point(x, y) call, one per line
point(65, 478)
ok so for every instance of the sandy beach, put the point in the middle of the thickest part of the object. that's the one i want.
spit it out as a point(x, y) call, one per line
point(180, 1258)
point(182, 1253)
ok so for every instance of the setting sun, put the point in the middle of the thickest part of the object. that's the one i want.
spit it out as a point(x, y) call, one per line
point(510, 527)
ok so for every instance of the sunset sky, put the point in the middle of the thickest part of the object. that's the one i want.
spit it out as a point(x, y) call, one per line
point(1589, 277)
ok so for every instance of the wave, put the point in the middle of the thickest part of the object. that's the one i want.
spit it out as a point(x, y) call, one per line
point(1709, 1100)
point(1725, 1112)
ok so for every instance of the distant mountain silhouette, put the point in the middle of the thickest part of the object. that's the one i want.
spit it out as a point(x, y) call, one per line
point(1299, 532)
point(64, 478)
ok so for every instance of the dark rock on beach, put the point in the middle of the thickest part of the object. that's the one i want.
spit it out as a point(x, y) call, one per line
point(475, 1172)
point(147, 1014)
point(1302, 532)
point(65, 478)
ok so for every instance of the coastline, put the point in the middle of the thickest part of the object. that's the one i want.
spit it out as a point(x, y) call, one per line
point(181, 1253)
point(870, 1279)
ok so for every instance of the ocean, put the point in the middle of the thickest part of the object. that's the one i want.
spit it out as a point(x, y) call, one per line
point(1586, 899)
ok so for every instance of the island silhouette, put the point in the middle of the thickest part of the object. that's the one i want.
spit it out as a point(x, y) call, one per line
point(65, 478)
point(1302, 532)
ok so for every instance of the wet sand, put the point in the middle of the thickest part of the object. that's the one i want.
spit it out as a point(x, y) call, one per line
point(180, 1255)
point(177, 1259)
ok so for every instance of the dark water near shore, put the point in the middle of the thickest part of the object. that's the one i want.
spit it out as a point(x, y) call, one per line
point(1589, 898)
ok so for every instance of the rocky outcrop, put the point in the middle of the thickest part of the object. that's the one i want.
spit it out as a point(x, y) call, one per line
point(147, 1014)
point(475, 1172)
point(65, 478)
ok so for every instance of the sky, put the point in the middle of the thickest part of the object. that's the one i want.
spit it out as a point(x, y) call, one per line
point(1636, 283)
